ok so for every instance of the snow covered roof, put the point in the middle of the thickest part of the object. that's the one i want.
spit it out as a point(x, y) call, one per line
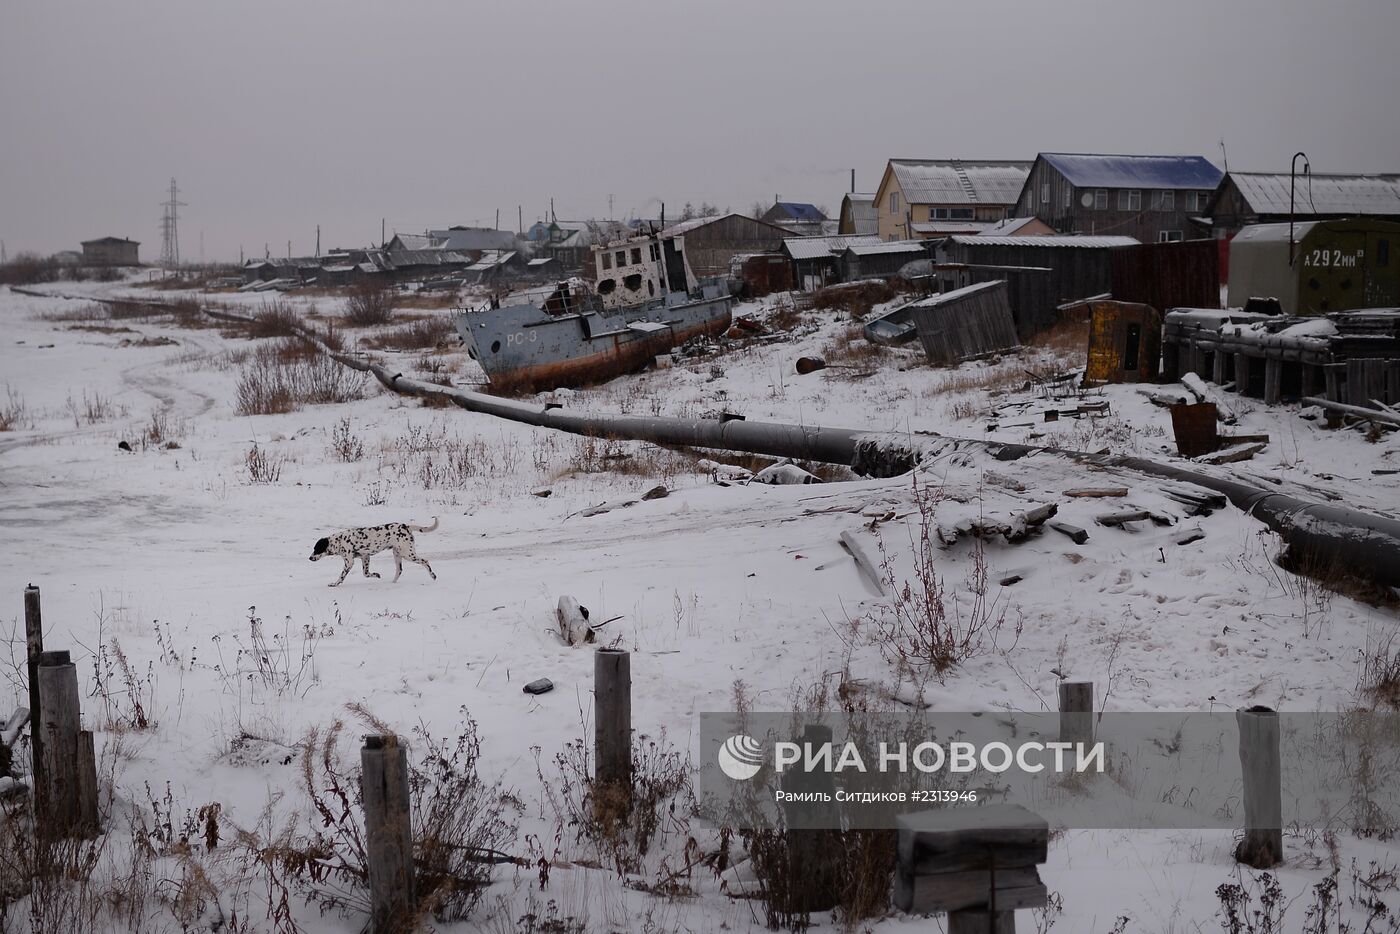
point(1267, 193)
point(820, 247)
point(1007, 227)
point(417, 242)
point(1048, 240)
point(894, 246)
point(951, 227)
point(954, 181)
point(1099, 170)
point(864, 216)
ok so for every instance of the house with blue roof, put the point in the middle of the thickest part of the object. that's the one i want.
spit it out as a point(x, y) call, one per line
point(1151, 198)
point(801, 218)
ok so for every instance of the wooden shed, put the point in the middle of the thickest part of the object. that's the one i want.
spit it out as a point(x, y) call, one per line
point(1125, 342)
point(969, 322)
point(1041, 273)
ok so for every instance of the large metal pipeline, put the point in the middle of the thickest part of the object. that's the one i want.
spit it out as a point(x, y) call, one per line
point(1363, 543)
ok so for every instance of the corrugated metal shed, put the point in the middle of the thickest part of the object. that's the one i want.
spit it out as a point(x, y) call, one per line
point(858, 210)
point(1101, 170)
point(965, 323)
point(954, 181)
point(949, 228)
point(1267, 193)
point(822, 247)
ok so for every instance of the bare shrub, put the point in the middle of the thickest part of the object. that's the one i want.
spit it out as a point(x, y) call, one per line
point(28, 269)
point(344, 443)
point(263, 467)
point(128, 697)
point(92, 409)
point(851, 350)
point(282, 376)
point(1380, 669)
point(422, 334)
point(13, 415)
point(926, 625)
point(460, 823)
point(619, 824)
point(856, 298)
point(275, 318)
point(371, 303)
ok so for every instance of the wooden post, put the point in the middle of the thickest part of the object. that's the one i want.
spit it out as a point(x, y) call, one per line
point(1077, 712)
point(388, 833)
point(1262, 846)
point(812, 832)
point(1273, 381)
point(59, 724)
point(34, 645)
point(612, 717)
point(1241, 374)
point(981, 921)
point(89, 820)
point(1218, 367)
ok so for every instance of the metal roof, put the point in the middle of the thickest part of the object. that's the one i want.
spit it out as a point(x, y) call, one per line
point(894, 246)
point(474, 238)
point(111, 240)
point(1007, 227)
point(418, 241)
point(1267, 193)
point(1098, 170)
point(1048, 240)
point(822, 247)
point(951, 227)
point(955, 181)
point(933, 301)
point(799, 210)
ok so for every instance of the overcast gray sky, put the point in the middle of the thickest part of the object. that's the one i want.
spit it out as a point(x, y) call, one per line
point(277, 116)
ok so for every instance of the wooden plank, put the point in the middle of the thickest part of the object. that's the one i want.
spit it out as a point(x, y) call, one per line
point(1076, 712)
point(1098, 492)
point(34, 647)
point(1233, 455)
point(1012, 888)
point(59, 724)
point(949, 839)
point(1076, 534)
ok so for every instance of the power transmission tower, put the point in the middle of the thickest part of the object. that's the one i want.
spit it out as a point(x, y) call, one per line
point(169, 229)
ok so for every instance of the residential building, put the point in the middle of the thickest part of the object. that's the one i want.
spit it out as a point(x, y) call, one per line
point(111, 251)
point(711, 242)
point(926, 198)
point(798, 218)
point(816, 261)
point(1149, 198)
point(858, 216)
point(1245, 198)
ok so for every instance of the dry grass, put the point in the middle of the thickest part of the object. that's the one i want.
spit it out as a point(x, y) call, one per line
point(856, 298)
point(371, 303)
point(275, 318)
point(429, 300)
point(852, 355)
point(283, 375)
point(13, 414)
point(422, 334)
point(1380, 669)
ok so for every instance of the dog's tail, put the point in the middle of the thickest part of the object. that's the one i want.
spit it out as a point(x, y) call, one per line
point(424, 528)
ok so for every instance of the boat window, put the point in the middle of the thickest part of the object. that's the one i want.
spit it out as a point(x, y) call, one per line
point(632, 282)
point(636, 254)
point(655, 253)
point(622, 257)
point(606, 286)
point(607, 260)
point(495, 346)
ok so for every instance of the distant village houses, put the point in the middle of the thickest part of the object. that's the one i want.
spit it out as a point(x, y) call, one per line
point(1150, 198)
point(797, 218)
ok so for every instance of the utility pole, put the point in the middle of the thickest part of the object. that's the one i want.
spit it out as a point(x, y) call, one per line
point(169, 228)
point(520, 219)
point(610, 207)
point(318, 240)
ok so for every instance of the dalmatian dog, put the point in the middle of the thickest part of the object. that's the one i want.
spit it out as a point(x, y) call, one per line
point(365, 543)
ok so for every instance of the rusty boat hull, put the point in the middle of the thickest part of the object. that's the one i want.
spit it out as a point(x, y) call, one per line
point(539, 345)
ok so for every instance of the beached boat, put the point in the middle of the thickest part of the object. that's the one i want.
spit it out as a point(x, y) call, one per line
point(645, 302)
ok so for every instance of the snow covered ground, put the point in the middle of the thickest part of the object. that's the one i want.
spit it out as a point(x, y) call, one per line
point(169, 550)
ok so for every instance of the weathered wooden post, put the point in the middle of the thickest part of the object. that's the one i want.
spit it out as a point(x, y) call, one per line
point(1218, 367)
point(1241, 374)
point(612, 718)
point(1273, 380)
point(1077, 712)
point(34, 646)
point(812, 824)
point(1262, 846)
point(388, 833)
point(58, 725)
point(976, 863)
point(89, 821)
